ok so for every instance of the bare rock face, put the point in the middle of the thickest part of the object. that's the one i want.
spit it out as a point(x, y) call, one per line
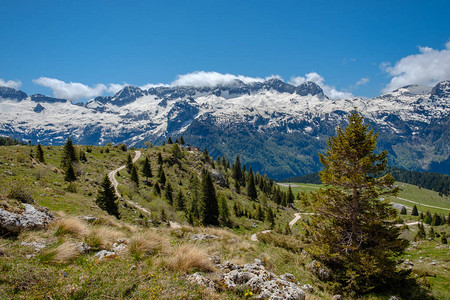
point(30, 218)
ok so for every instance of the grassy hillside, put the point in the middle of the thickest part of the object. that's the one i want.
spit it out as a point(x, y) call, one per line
point(154, 253)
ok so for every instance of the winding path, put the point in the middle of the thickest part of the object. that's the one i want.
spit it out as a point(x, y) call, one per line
point(112, 177)
point(297, 216)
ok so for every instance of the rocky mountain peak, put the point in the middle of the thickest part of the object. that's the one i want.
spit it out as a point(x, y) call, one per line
point(13, 94)
point(309, 88)
point(127, 95)
point(442, 89)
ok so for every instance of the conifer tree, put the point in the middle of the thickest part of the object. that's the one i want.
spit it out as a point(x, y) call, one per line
point(210, 206)
point(160, 159)
point(129, 163)
point(69, 153)
point(403, 211)
point(237, 170)
point(156, 189)
point(351, 225)
point(443, 238)
point(107, 199)
point(70, 173)
point(181, 203)
point(224, 212)
point(421, 232)
point(146, 168)
point(161, 176)
point(260, 213)
point(182, 142)
point(134, 175)
point(251, 188)
point(40, 153)
point(176, 151)
point(169, 141)
point(270, 217)
point(169, 193)
point(290, 196)
point(431, 233)
point(414, 211)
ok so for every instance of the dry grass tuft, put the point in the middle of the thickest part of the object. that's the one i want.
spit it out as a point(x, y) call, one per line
point(72, 226)
point(223, 234)
point(64, 252)
point(188, 258)
point(148, 243)
point(102, 237)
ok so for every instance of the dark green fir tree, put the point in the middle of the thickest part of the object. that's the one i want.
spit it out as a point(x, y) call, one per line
point(107, 199)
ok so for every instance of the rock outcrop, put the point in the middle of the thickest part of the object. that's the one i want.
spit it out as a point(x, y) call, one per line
point(254, 277)
point(30, 218)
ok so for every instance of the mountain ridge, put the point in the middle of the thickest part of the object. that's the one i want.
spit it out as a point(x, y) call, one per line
point(276, 127)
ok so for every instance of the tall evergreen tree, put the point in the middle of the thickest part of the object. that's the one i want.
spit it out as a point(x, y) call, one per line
point(129, 163)
point(182, 142)
point(224, 212)
point(237, 170)
point(403, 211)
point(146, 168)
point(156, 189)
point(134, 175)
point(351, 230)
point(161, 176)
point(210, 206)
point(69, 153)
point(181, 203)
point(176, 151)
point(169, 193)
point(40, 153)
point(169, 141)
point(290, 196)
point(160, 159)
point(70, 173)
point(107, 199)
point(414, 211)
point(251, 188)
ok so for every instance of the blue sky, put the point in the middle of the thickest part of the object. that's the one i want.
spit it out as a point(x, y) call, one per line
point(78, 49)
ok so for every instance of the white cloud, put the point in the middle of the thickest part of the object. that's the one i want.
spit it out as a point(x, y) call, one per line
point(72, 90)
point(426, 68)
point(362, 81)
point(10, 83)
point(330, 91)
point(152, 85)
point(212, 79)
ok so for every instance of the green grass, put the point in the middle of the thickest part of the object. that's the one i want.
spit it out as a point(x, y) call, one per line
point(141, 275)
point(407, 191)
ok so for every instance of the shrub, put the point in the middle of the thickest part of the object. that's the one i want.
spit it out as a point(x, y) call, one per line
point(19, 191)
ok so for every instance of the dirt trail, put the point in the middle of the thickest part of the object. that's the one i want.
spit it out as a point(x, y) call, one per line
point(297, 216)
point(112, 177)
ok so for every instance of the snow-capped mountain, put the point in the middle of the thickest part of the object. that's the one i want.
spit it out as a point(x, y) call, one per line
point(276, 127)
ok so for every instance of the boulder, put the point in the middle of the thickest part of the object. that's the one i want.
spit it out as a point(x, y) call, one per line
point(30, 218)
point(201, 280)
